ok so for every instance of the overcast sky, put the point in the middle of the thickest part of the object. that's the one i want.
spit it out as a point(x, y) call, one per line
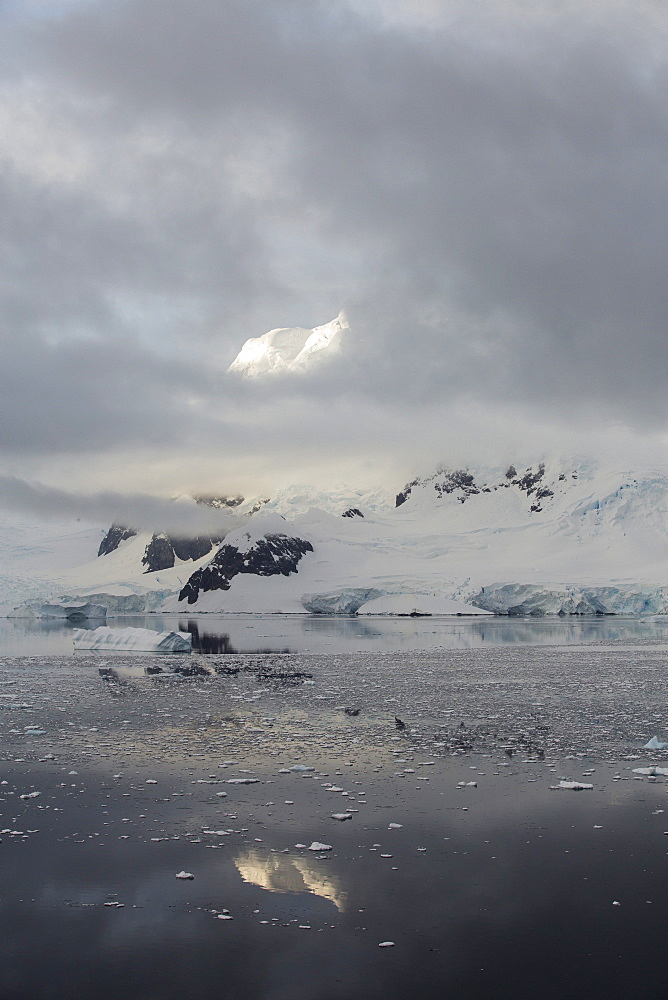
point(481, 185)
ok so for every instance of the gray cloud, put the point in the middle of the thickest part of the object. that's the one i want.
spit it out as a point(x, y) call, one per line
point(487, 197)
point(133, 509)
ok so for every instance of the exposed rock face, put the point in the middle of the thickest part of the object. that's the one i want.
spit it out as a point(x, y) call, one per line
point(352, 512)
point(463, 484)
point(163, 551)
point(270, 555)
point(220, 503)
point(113, 538)
point(159, 554)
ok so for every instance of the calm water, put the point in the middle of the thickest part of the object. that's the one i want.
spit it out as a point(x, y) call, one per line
point(491, 884)
point(320, 634)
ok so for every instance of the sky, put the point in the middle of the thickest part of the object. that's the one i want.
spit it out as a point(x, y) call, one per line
point(481, 185)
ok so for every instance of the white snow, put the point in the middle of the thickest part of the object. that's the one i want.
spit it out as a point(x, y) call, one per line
point(289, 349)
point(137, 639)
point(599, 542)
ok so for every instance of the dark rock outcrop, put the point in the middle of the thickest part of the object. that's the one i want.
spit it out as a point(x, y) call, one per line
point(113, 538)
point(352, 512)
point(220, 503)
point(463, 485)
point(271, 555)
point(159, 554)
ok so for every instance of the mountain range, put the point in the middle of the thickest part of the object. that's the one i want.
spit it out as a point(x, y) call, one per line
point(552, 537)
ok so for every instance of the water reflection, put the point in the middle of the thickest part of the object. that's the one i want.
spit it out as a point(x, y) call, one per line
point(228, 634)
point(288, 873)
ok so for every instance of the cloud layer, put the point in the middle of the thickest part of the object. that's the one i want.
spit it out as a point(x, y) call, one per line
point(482, 186)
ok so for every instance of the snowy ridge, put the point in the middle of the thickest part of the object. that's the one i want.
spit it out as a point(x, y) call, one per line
point(289, 349)
point(555, 537)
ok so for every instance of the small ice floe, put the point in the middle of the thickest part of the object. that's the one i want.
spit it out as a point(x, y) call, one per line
point(132, 639)
point(386, 944)
point(395, 826)
point(184, 875)
point(342, 816)
point(114, 903)
point(574, 786)
point(652, 770)
point(243, 781)
point(30, 795)
point(655, 744)
point(221, 795)
point(316, 846)
point(296, 769)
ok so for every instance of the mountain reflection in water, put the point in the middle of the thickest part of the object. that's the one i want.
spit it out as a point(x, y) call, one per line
point(288, 873)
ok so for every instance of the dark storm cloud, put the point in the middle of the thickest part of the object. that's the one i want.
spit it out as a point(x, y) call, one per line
point(488, 199)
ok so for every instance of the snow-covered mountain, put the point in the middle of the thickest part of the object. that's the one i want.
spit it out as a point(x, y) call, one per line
point(290, 349)
point(554, 537)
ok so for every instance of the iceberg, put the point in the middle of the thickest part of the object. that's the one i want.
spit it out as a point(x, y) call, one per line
point(655, 744)
point(144, 640)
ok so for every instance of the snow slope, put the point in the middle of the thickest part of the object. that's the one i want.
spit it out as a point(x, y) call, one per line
point(289, 349)
point(563, 537)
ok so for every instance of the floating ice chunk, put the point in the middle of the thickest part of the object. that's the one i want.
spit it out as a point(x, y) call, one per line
point(652, 770)
point(655, 744)
point(30, 795)
point(574, 786)
point(298, 768)
point(395, 826)
point(243, 781)
point(316, 846)
point(144, 640)
point(184, 875)
point(342, 816)
point(386, 944)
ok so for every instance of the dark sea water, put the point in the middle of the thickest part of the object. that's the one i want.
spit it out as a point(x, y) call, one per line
point(461, 849)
